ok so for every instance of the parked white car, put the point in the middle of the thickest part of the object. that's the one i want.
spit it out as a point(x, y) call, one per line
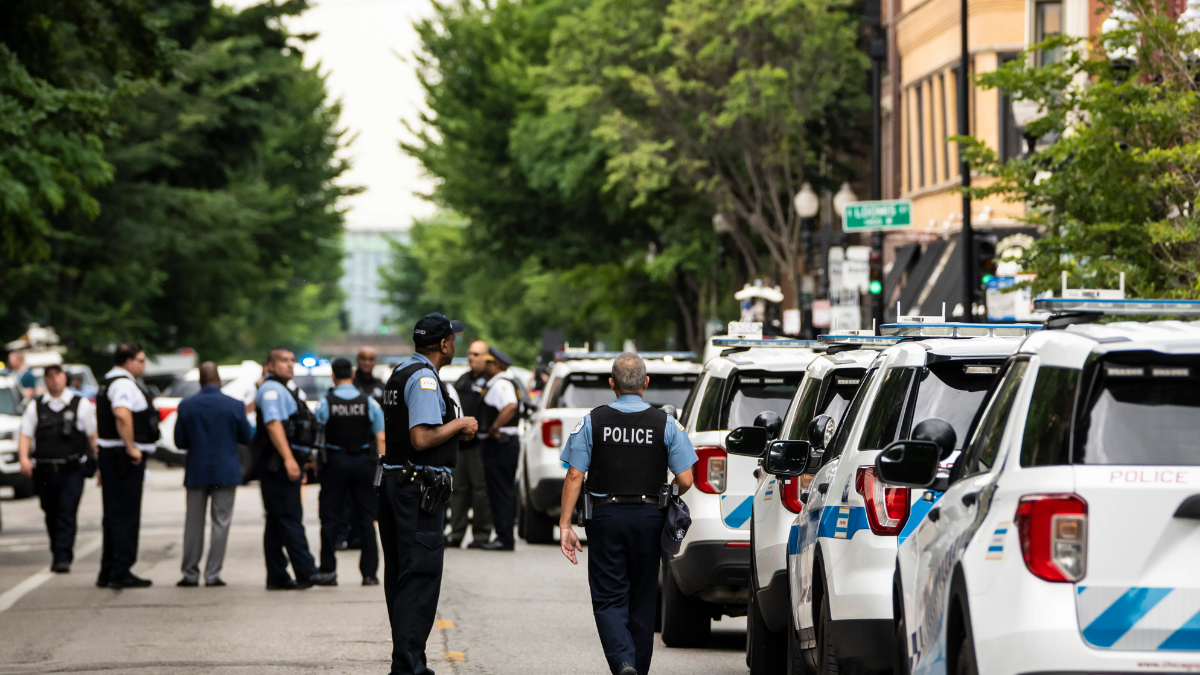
point(1068, 536)
point(578, 384)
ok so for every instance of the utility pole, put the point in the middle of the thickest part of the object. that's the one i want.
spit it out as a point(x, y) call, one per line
point(964, 121)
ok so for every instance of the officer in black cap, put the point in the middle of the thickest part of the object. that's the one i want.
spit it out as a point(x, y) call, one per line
point(501, 447)
point(625, 448)
point(422, 428)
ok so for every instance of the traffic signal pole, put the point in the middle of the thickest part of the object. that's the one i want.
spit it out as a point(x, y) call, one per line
point(967, 244)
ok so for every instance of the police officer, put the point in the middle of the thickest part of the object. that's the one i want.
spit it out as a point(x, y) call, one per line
point(353, 442)
point(470, 486)
point(625, 448)
point(127, 424)
point(422, 433)
point(58, 432)
point(501, 447)
point(283, 438)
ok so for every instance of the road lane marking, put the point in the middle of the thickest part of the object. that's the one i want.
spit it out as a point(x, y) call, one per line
point(12, 595)
point(445, 623)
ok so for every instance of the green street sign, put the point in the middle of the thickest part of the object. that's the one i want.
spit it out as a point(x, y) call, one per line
point(889, 214)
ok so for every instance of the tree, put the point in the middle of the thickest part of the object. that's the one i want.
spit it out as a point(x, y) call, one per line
point(1116, 173)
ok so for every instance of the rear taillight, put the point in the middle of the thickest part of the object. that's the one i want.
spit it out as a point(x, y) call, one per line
point(551, 433)
point(164, 413)
point(710, 469)
point(1053, 532)
point(791, 492)
point(887, 507)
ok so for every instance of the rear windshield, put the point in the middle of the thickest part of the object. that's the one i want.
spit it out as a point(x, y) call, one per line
point(953, 391)
point(1142, 411)
point(751, 393)
point(9, 401)
point(590, 390)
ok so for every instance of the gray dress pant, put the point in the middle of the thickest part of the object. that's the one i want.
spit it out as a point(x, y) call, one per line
point(193, 530)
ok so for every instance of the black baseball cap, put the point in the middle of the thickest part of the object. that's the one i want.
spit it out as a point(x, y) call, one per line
point(433, 328)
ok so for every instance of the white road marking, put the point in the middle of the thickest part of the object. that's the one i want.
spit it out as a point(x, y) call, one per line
point(12, 595)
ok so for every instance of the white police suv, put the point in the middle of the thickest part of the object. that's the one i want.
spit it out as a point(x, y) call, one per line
point(578, 383)
point(710, 577)
point(1068, 537)
point(843, 550)
point(829, 385)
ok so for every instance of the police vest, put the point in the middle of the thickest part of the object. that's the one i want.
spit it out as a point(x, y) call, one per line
point(395, 424)
point(300, 428)
point(349, 425)
point(145, 422)
point(57, 437)
point(629, 452)
point(472, 405)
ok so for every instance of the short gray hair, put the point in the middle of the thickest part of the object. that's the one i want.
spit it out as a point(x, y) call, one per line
point(629, 373)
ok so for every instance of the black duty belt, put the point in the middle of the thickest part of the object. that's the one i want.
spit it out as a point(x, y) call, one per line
point(625, 499)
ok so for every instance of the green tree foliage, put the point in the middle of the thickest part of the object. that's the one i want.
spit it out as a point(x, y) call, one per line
point(219, 229)
point(1116, 173)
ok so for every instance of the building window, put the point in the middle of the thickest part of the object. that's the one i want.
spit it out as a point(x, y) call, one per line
point(920, 135)
point(1011, 142)
point(1048, 22)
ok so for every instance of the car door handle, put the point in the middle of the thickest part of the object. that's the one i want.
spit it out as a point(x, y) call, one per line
point(1190, 508)
point(934, 514)
point(970, 498)
point(823, 488)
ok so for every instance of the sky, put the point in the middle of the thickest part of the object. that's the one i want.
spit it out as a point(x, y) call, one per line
point(364, 48)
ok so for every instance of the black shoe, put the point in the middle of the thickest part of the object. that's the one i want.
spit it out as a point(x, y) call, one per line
point(477, 543)
point(130, 581)
point(323, 579)
point(370, 581)
point(627, 669)
point(60, 567)
point(288, 585)
point(497, 545)
point(214, 582)
point(188, 583)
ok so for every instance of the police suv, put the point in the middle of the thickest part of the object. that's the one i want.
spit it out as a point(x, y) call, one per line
point(828, 387)
point(1068, 536)
point(579, 382)
point(710, 577)
point(843, 550)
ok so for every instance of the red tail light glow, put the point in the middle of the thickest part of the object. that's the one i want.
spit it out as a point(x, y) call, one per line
point(551, 433)
point(1053, 533)
point(710, 469)
point(887, 507)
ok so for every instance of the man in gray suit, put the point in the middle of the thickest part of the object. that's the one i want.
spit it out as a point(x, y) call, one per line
point(209, 426)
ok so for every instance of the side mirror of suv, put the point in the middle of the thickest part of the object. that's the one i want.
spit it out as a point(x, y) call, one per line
point(911, 464)
point(787, 458)
point(746, 441)
point(820, 431)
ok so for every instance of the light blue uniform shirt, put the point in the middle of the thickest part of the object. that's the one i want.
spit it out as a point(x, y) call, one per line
point(349, 392)
point(578, 450)
point(425, 403)
point(276, 403)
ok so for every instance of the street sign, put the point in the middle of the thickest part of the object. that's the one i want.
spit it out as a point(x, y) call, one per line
point(889, 214)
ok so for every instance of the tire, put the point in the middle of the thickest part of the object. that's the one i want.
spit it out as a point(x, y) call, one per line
point(686, 621)
point(966, 664)
point(826, 656)
point(766, 652)
point(539, 527)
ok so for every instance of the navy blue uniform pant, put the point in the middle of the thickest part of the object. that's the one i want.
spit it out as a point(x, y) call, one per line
point(349, 478)
point(285, 529)
point(624, 552)
point(59, 493)
point(413, 549)
point(500, 474)
point(121, 495)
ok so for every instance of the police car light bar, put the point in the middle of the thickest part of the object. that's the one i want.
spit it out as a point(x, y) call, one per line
point(958, 330)
point(861, 340)
point(765, 343)
point(1118, 307)
point(649, 356)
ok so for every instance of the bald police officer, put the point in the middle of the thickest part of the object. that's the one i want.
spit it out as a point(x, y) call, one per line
point(422, 428)
point(626, 449)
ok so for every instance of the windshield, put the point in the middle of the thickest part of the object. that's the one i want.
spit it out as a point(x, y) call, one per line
point(10, 401)
point(591, 390)
point(1144, 412)
point(953, 391)
point(754, 392)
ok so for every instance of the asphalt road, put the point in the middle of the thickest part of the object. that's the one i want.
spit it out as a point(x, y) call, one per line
point(521, 612)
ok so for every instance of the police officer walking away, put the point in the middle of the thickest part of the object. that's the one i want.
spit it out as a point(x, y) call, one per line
point(625, 448)
point(422, 432)
point(470, 485)
point(353, 442)
point(284, 436)
point(501, 448)
point(127, 424)
point(58, 432)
